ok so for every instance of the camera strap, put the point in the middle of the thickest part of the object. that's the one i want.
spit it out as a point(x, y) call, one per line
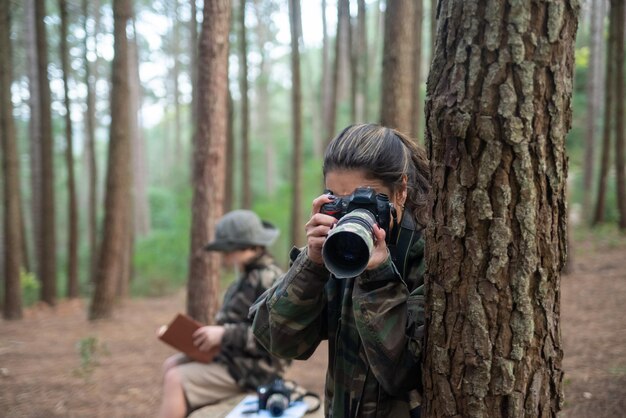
point(403, 239)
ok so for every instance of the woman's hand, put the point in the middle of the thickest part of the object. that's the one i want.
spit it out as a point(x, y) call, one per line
point(317, 228)
point(381, 252)
point(208, 337)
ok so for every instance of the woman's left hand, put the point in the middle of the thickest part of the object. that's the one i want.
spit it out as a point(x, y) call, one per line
point(208, 337)
point(381, 252)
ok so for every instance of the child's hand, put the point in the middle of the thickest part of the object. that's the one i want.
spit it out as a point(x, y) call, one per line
point(208, 337)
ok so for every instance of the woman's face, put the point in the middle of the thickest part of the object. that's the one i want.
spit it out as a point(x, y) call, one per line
point(343, 183)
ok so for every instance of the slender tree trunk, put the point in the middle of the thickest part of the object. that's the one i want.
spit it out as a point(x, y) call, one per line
point(34, 129)
point(117, 219)
point(620, 140)
point(91, 76)
point(592, 103)
point(398, 66)
point(416, 114)
point(297, 236)
point(362, 61)
point(372, 106)
point(326, 92)
point(497, 111)
point(245, 112)
point(47, 240)
point(343, 13)
point(178, 150)
point(229, 192)
point(609, 81)
point(353, 64)
point(208, 167)
point(72, 207)
point(13, 238)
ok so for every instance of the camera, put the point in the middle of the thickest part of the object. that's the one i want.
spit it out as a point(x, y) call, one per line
point(349, 245)
point(274, 397)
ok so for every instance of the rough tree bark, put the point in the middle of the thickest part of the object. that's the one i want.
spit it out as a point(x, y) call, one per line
point(396, 110)
point(12, 211)
point(72, 206)
point(46, 242)
point(208, 165)
point(498, 108)
point(117, 208)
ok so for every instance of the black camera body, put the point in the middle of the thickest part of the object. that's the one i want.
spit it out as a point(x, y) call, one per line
point(274, 397)
point(362, 198)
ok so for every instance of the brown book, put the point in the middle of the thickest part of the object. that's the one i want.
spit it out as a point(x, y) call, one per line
point(179, 334)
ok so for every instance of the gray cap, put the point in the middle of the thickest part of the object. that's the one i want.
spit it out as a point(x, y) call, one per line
point(241, 229)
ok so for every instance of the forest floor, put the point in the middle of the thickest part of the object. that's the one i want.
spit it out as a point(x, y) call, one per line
point(44, 374)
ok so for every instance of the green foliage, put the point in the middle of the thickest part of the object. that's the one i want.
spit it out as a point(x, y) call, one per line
point(30, 288)
point(89, 349)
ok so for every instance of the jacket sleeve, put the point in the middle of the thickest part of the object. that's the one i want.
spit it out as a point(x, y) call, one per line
point(238, 332)
point(389, 320)
point(290, 318)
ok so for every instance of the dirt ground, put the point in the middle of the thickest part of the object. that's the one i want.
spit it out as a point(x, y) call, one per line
point(43, 374)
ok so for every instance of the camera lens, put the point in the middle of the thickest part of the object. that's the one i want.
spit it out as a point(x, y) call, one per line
point(277, 403)
point(348, 247)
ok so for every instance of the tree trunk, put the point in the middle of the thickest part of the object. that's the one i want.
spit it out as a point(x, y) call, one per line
point(297, 236)
point(178, 150)
point(343, 15)
point(416, 113)
point(497, 111)
point(609, 83)
point(592, 106)
point(117, 219)
point(620, 141)
point(91, 78)
point(396, 109)
point(12, 307)
point(34, 130)
point(327, 86)
point(261, 124)
point(246, 190)
point(72, 207)
point(208, 167)
point(362, 61)
point(47, 242)
point(229, 170)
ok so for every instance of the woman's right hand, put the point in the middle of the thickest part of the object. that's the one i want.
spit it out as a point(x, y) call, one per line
point(317, 228)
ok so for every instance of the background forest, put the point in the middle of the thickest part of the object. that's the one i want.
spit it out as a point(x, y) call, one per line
point(341, 50)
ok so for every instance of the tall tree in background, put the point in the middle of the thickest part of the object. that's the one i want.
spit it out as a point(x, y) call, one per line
point(620, 140)
point(175, 74)
point(91, 77)
point(417, 109)
point(498, 109)
point(327, 86)
point(609, 83)
point(295, 23)
point(208, 164)
point(72, 207)
point(246, 190)
point(594, 104)
point(362, 57)
point(117, 216)
point(12, 306)
point(46, 242)
point(330, 115)
point(398, 75)
point(34, 130)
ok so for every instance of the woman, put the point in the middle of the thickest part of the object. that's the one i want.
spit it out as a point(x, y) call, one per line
point(241, 364)
point(373, 322)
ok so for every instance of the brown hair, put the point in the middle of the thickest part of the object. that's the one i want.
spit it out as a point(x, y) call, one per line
point(384, 154)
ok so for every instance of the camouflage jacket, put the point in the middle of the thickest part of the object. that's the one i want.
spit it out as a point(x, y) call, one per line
point(248, 362)
point(373, 324)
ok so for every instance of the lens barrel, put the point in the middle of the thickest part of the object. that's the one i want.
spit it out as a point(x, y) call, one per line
point(349, 245)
